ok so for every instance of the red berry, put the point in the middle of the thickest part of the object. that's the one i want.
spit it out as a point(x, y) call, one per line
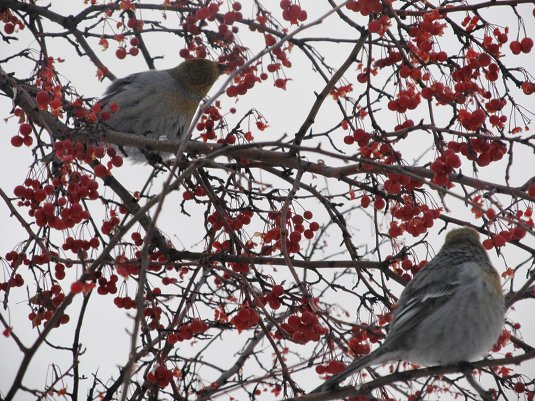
point(379, 203)
point(277, 290)
point(77, 287)
point(297, 219)
point(349, 140)
point(309, 318)
point(120, 53)
point(197, 326)
point(484, 59)
point(43, 98)
point(519, 387)
point(320, 369)
point(25, 129)
point(17, 141)
point(172, 338)
point(526, 44)
point(9, 28)
point(27, 140)
point(295, 236)
point(101, 171)
point(515, 47)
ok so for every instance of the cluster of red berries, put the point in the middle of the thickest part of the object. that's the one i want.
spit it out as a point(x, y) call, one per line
point(107, 286)
point(78, 286)
point(523, 46)
point(67, 151)
point(493, 44)
point(379, 151)
point(242, 268)
point(360, 136)
point(230, 17)
point(304, 328)
point(109, 225)
point(379, 25)
point(187, 331)
point(227, 224)
point(483, 151)
point(444, 94)
point(408, 123)
point(359, 346)
point(365, 7)
point(395, 183)
point(406, 268)
point(208, 122)
point(161, 376)
point(332, 368)
point(407, 71)
point(428, 26)
point(95, 113)
point(416, 218)
point(271, 238)
point(153, 315)
point(68, 217)
point(195, 21)
point(293, 13)
point(472, 121)
point(405, 100)
point(391, 58)
point(273, 297)
point(125, 267)
point(470, 22)
point(492, 72)
point(378, 203)
point(494, 106)
point(124, 302)
point(79, 245)
point(32, 193)
point(43, 316)
point(47, 302)
point(121, 51)
point(500, 239)
point(23, 137)
point(53, 102)
point(10, 21)
point(502, 341)
point(208, 12)
point(242, 83)
point(245, 318)
point(443, 166)
point(15, 259)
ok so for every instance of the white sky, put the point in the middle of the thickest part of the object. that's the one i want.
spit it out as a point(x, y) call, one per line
point(104, 334)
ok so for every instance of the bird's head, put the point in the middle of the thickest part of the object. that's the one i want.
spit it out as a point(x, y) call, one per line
point(198, 75)
point(462, 235)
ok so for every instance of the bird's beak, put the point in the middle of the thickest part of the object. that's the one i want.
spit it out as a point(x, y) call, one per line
point(222, 67)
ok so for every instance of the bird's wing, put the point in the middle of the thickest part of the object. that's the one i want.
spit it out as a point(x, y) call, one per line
point(425, 293)
point(117, 86)
point(413, 311)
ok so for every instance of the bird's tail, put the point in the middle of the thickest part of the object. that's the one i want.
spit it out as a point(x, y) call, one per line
point(355, 366)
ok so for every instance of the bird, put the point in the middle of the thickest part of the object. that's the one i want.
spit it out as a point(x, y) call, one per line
point(452, 311)
point(159, 104)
